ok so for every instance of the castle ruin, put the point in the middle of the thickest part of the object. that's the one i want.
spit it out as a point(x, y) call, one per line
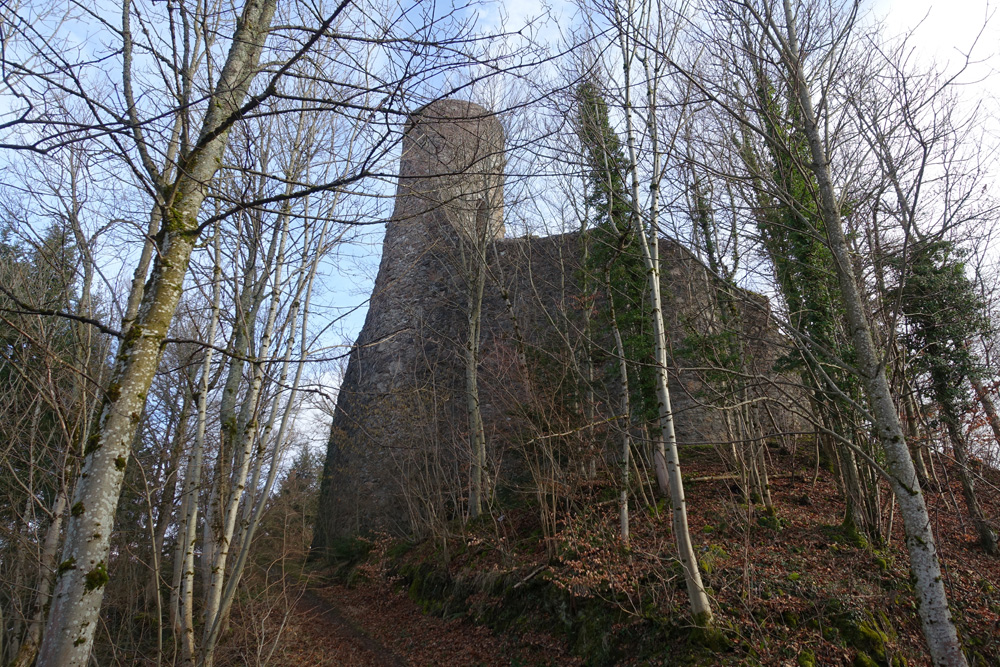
point(398, 457)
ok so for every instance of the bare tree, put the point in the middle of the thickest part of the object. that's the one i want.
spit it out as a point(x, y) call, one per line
point(644, 34)
point(809, 72)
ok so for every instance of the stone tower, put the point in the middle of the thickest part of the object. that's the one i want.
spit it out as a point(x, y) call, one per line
point(450, 183)
point(399, 456)
point(450, 186)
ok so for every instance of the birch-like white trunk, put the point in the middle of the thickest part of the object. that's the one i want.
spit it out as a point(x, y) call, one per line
point(82, 574)
point(253, 509)
point(184, 614)
point(938, 626)
point(248, 433)
point(701, 608)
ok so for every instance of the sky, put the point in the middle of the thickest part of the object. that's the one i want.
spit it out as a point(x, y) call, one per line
point(946, 33)
point(943, 33)
point(947, 30)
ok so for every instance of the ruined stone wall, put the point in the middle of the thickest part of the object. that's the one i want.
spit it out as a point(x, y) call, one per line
point(398, 456)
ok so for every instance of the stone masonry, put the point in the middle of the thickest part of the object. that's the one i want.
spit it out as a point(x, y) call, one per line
point(398, 457)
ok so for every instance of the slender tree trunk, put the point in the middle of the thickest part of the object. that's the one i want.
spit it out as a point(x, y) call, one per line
point(626, 411)
point(253, 519)
point(758, 448)
point(82, 574)
point(187, 535)
point(939, 628)
point(987, 538)
point(700, 605)
point(251, 296)
point(667, 440)
point(164, 510)
point(991, 411)
point(248, 432)
point(139, 277)
point(475, 266)
point(46, 572)
point(914, 441)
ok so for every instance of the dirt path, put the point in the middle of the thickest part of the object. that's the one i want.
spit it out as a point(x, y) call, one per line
point(326, 637)
point(376, 625)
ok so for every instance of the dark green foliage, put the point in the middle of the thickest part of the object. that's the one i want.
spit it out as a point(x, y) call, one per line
point(346, 552)
point(944, 313)
point(606, 164)
point(704, 219)
point(792, 229)
point(41, 277)
point(39, 357)
point(614, 268)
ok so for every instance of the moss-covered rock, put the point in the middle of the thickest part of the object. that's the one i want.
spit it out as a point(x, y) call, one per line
point(790, 619)
point(868, 633)
point(862, 659)
point(711, 638)
point(593, 628)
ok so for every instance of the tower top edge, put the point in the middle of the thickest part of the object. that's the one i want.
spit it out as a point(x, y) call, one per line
point(450, 108)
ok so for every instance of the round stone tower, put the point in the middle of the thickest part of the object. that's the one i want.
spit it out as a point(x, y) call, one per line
point(450, 184)
point(450, 179)
point(396, 396)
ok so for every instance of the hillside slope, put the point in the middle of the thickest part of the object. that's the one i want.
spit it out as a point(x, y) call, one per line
point(793, 589)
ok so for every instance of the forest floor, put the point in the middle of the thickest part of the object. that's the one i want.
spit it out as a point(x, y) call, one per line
point(373, 626)
point(793, 589)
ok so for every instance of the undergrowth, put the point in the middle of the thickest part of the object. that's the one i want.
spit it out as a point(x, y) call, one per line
point(796, 587)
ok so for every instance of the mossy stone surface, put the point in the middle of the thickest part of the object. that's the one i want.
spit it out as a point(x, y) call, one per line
point(807, 658)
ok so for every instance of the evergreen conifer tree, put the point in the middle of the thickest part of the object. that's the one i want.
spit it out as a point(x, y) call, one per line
point(612, 259)
point(945, 313)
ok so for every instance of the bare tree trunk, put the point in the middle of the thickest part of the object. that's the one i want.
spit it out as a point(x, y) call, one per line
point(626, 410)
point(164, 511)
point(182, 607)
point(139, 277)
point(46, 572)
point(251, 296)
point(475, 266)
point(757, 448)
point(82, 574)
point(939, 628)
point(991, 411)
point(248, 430)
point(987, 538)
point(914, 440)
point(252, 516)
point(667, 440)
